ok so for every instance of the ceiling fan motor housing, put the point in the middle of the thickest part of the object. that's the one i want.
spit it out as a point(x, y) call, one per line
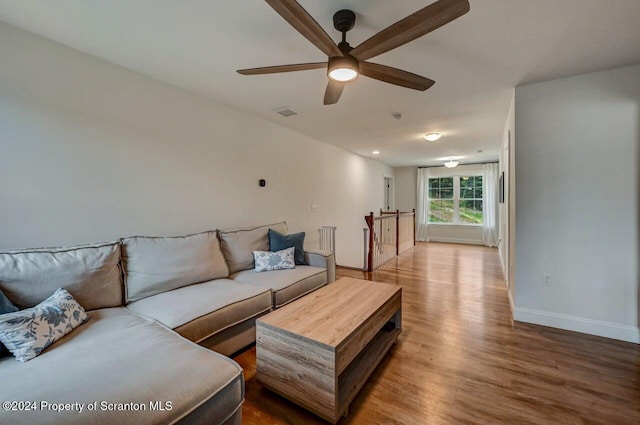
point(344, 20)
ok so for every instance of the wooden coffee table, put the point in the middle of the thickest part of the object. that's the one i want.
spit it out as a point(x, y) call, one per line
point(319, 350)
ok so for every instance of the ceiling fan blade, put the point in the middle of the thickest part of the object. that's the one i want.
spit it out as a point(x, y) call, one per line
point(395, 76)
point(282, 68)
point(300, 19)
point(333, 92)
point(413, 26)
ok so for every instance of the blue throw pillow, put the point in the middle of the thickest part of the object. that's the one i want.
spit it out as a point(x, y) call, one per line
point(6, 306)
point(278, 242)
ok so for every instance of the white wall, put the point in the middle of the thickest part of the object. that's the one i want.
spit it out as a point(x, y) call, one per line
point(577, 175)
point(406, 179)
point(507, 209)
point(91, 152)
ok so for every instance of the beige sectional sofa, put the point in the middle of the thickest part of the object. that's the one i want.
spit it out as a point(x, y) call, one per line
point(154, 305)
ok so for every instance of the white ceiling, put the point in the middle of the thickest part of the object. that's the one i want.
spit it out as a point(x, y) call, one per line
point(476, 61)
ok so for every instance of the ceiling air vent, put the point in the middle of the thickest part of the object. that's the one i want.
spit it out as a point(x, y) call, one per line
point(286, 112)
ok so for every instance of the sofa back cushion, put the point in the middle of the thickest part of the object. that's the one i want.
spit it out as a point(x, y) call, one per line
point(91, 273)
point(238, 244)
point(155, 265)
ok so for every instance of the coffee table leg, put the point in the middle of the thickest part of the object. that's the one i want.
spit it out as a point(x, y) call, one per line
point(346, 412)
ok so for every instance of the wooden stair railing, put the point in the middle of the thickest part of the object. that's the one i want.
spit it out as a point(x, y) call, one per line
point(390, 234)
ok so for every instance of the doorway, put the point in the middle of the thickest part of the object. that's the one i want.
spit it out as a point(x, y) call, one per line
point(388, 194)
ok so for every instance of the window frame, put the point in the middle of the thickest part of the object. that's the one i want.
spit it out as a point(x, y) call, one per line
point(456, 200)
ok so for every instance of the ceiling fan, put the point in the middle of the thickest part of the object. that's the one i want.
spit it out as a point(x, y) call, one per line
point(345, 62)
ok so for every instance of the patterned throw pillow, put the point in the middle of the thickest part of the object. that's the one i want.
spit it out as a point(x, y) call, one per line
point(279, 260)
point(26, 333)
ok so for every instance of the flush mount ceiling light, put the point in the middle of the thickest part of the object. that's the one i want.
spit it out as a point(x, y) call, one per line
point(451, 163)
point(432, 137)
point(376, 152)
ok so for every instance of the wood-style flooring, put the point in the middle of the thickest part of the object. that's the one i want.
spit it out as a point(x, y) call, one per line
point(462, 360)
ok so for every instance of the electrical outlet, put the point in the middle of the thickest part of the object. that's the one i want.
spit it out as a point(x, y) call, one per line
point(546, 279)
point(314, 208)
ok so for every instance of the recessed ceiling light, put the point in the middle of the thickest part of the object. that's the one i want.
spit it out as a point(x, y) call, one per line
point(432, 137)
point(376, 152)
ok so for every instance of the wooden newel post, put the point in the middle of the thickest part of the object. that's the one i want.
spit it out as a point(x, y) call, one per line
point(414, 227)
point(369, 220)
point(397, 232)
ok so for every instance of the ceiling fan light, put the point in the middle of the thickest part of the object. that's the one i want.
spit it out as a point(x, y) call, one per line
point(451, 163)
point(343, 68)
point(343, 74)
point(432, 137)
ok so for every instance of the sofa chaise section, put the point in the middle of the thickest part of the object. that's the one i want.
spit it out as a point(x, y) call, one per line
point(125, 361)
point(116, 356)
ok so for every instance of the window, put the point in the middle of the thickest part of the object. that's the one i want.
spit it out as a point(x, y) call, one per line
point(470, 206)
point(455, 199)
point(441, 200)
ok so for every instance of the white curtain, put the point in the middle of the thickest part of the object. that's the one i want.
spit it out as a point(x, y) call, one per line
point(490, 204)
point(422, 209)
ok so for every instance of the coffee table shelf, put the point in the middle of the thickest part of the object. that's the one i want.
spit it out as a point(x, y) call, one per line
point(354, 377)
point(319, 351)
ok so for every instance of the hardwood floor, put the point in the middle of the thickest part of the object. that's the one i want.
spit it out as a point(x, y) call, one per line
point(461, 359)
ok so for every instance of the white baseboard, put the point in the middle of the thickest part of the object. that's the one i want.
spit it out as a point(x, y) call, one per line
point(457, 240)
point(512, 305)
point(577, 324)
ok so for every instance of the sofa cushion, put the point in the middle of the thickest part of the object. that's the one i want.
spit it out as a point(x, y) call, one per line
point(119, 357)
point(91, 273)
point(154, 265)
point(238, 244)
point(199, 311)
point(278, 241)
point(287, 285)
point(26, 333)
